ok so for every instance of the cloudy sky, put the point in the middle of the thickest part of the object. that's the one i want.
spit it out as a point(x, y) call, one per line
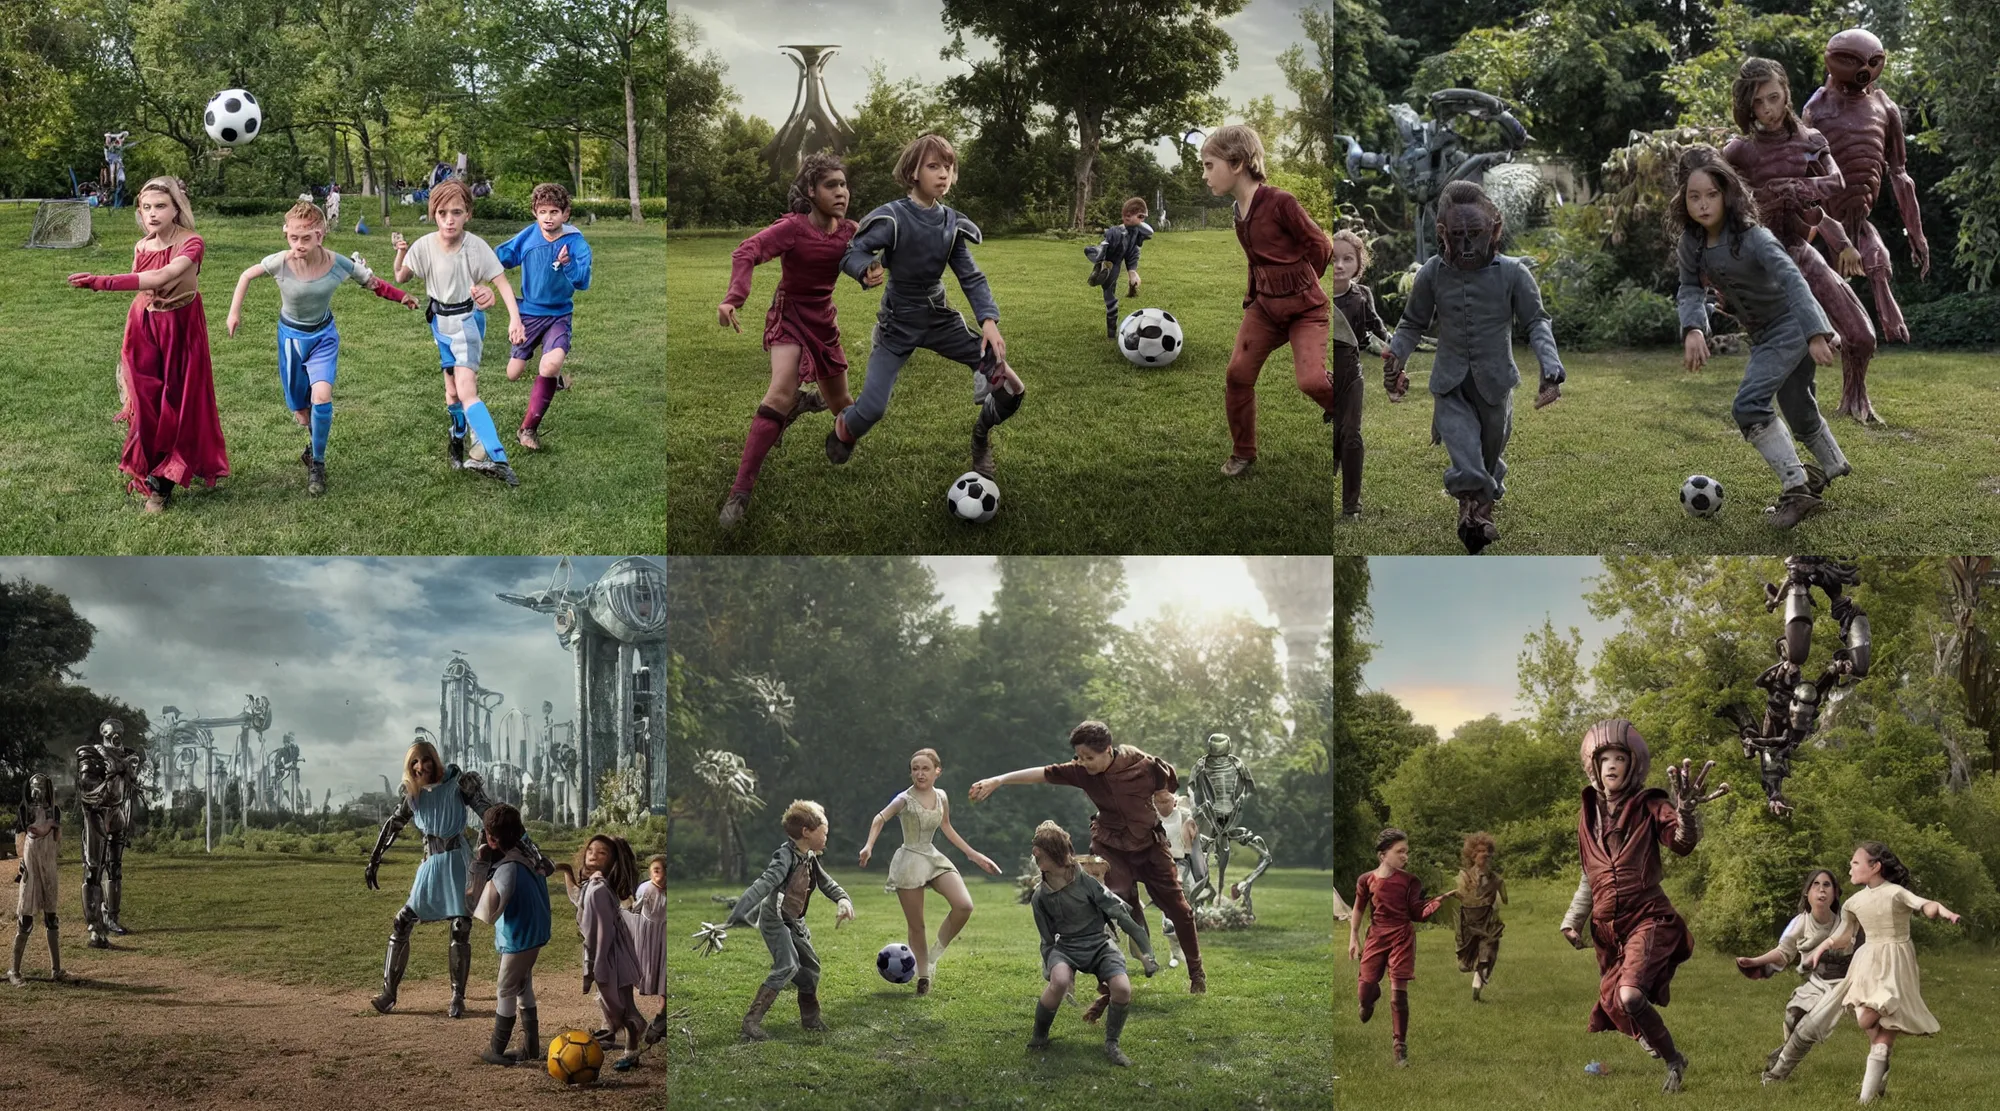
point(906, 37)
point(349, 651)
point(1448, 629)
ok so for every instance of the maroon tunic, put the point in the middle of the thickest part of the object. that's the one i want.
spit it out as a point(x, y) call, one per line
point(1398, 903)
point(175, 431)
point(1640, 937)
point(1287, 251)
point(802, 310)
point(1125, 818)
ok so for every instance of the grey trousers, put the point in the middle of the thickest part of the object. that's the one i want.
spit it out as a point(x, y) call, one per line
point(1780, 371)
point(792, 958)
point(1474, 435)
point(516, 985)
point(900, 329)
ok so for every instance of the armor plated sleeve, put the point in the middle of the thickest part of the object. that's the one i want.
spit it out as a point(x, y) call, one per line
point(1526, 295)
point(759, 890)
point(876, 234)
point(1418, 313)
point(1691, 299)
point(390, 828)
point(1679, 827)
point(1579, 905)
point(1799, 300)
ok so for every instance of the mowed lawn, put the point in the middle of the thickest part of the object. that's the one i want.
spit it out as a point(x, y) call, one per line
point(1601, 470)
point(1258, 1039)
point(596, 486)
point(1103, 457)
point(1526, 1046)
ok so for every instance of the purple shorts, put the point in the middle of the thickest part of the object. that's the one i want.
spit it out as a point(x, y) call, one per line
point(550, 333)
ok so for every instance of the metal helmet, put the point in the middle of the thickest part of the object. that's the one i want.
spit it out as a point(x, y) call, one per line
point(110, 730)
point(1218, 744)
point(41, 790)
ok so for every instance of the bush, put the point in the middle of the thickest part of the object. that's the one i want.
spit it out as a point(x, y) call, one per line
point(1955, 320)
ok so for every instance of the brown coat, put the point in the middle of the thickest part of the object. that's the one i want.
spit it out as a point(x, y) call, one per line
point(1288, 252)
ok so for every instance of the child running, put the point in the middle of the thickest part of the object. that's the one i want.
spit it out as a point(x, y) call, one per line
point(1119, 248)
point(1356, 304)
point(174, 437)
point(555, 266)
point(1287, 253)
point(1394, 900)
point(1719, 243)
point(917, 238)
point(1814, 1007)
point(308, 342)
point(456, 266)
point(801, 329)
point(918, 864)
point(1072, 910)
point(1480, 893)
point(1882, 987)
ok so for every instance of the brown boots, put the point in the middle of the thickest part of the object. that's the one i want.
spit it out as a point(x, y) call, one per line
point(809, 1011)
point(1197, 979)
point(753, 1029)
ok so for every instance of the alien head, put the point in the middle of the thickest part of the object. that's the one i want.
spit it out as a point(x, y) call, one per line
point(1854, 59)
point(110, 730)
point(1218, 744)
point(1469, 226)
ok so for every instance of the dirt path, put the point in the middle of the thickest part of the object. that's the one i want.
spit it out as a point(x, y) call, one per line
point(141, 1030)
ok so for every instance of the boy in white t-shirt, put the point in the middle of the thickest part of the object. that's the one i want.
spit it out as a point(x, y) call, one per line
point(455, 266)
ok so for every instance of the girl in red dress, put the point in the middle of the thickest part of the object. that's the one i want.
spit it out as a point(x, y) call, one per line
point(801, 330)
point(1395, 901)
point(175, 434)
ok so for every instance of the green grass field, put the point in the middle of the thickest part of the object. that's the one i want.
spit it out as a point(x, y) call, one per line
point(594, 488)
point(1104, 457)
point(1601, 470)
point(1255, 1040)
point(1525, 1047)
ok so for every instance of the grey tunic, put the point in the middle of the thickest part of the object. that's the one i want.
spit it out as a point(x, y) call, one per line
point(916, 245)
point(1473, 312)
point(1762, 288)
point(793, 959)
point(1071, 919)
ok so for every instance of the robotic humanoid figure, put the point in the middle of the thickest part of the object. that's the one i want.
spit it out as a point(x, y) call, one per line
point(1433, 154)
point(107, 785)
point(432, 894)
point(1221, 787)
point(1793, 702)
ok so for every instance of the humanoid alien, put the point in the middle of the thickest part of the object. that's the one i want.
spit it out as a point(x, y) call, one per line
point(107, 786)
point(1222, 785)
point(1793, 702)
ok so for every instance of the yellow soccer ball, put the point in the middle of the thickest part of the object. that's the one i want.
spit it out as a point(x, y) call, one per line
point(575, 1058)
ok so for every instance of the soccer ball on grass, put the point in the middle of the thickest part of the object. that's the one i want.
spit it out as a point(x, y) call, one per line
point(1150, 337)
point(1701, 496)
point(896, 963)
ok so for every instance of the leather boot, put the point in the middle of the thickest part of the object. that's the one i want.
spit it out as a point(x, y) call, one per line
point(753, 1029)
point(809, 1011)
point(1197, 979)
point(496, 1050)
point(460, 961)
point(531, 1038)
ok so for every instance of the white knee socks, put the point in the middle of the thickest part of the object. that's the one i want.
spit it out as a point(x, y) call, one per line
point(1773, 441)
point(1878, 1071)
point(1827, 451)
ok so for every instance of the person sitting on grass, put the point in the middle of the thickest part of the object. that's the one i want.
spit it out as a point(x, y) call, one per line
point(308, 341)
point(456, 266)
point(1072, 910)
point(555, 266)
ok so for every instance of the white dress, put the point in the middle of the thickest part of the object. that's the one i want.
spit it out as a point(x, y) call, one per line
point(37, 894)
point(1883, 975)
point(648, 921)
point(917, 862)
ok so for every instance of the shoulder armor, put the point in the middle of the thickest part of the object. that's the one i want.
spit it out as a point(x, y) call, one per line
point(967, 228)
point(884, 213)
point(469, 783)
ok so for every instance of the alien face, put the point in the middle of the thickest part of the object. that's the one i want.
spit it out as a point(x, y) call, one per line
point(1855, 58)
point(1467, 236)
point(110, 730)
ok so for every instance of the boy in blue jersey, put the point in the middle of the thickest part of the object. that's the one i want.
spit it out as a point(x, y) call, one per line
point(555, 263)
point(507, 890)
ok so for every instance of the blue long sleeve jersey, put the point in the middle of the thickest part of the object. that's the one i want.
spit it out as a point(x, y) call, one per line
point(545, 289)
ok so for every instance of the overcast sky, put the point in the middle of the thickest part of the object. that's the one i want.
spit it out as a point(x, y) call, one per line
point(906, 37)
point(349, 651)
point(1448, 630)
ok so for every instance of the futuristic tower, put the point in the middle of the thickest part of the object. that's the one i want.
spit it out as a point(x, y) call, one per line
point(1299, 589)
point(814, 125)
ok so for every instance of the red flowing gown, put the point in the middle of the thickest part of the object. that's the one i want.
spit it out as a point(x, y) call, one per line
point(802, 310)
point(175, 431)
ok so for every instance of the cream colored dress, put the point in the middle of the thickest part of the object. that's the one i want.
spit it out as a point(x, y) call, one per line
point(37, 893)
point(917, 862)
point(1883, 975)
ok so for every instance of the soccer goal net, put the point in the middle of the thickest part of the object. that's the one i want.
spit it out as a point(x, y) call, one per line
point(61, 224)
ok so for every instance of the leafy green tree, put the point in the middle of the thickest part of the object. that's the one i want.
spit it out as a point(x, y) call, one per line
point(1121, 72)
point(1339, 91)
point(1954, 43)
point(42, 640)
point(888, 117)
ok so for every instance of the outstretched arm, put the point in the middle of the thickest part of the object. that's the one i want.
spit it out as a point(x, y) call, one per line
point(875, 827)
point(986, 787)
point(390, 829)
point(760, 889)
point(243, 281)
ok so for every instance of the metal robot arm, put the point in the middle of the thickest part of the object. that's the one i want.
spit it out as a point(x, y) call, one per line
point(1446, 103)
point(390, 828)
point(1358, 159)
point(472, 790)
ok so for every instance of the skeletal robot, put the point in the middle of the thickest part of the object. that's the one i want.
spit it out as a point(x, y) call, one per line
point(1433, 154)
point(1792, 701)
point(1222, 785)
point(107, 786)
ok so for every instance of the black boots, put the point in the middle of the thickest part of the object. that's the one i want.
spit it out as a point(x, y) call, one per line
point(531, 1038)
point(496, 1051)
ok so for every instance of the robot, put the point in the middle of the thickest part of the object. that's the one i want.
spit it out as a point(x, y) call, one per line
point(1793, 702)
point(1433, 155)
point(107, 785)
point(1221, 787)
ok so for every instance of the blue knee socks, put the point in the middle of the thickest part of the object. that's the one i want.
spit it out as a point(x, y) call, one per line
point(482, 426)
point(322, 424)
point(457, 412)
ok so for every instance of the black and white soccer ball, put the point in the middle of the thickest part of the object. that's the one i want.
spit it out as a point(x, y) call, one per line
point(896, 963)
point(974, 497)
point(1701, 496)
point(233, 117)
point(1150, 337)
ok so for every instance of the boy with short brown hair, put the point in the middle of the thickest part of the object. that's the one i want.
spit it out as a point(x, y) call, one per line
point(555, 265)
point(1120, 247)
